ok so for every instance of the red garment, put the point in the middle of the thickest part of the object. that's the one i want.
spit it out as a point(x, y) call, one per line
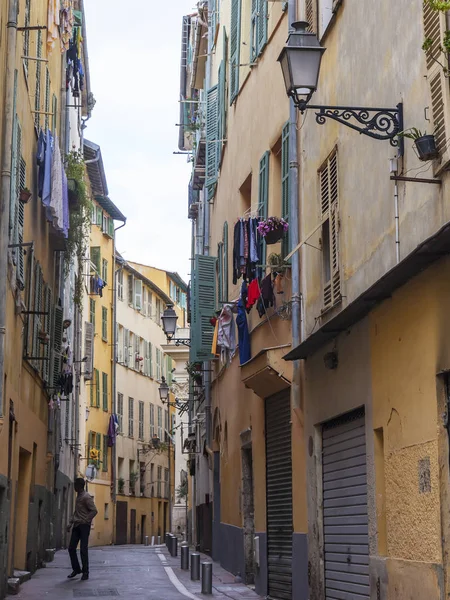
point(253, 293)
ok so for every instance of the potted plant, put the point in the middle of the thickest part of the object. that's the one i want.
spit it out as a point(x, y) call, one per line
point(43, 337)
point(134, 476)
point(272, 229)
point(155, 442)
point(121, 485)
point(424, 143)
point(24, 195)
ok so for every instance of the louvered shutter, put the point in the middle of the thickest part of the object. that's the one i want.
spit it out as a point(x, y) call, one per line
point(35, 352)
point(434, 25)
point(96, 258)
point(263, 198)
point(47, 328)
point(47, 98)
point(88, 350)
point(150, 353)
point(214, 19)
point(19, 225)
point(26, 36)
point(131, 362)
point(37, 93)
point(285, 245)
point(97, 388)
point(57, 343)
point(311, 15)
point(235, 48)
point(205, 301)
point(130, 289)
point(225, 261)
point(98, 445)
point(14, 165)
point(219, 272)
point(222, 97)
point(329, 196)
point(211, 140)
point(254, 31)
point(262, 25)
point(138, 294)
point(126, 343)
point(105, 390)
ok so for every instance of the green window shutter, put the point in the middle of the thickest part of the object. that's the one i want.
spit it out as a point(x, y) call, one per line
point(97, 388)
point(110, 227)
point(57, 342)
point(219, 273)
point(225, 262)
point(104, 270)
point(222, 99)
point(14, 164)
point(19, 225)
point(235, 48)
point(54, 113)
point(92, 390)
point(205, 303)
point(37, 94)
point(104, 324)
point(285, 244)
point(263, 198)
point(96, 258)
point(105, 390)
point(262, 25)
point(214, 19)
point(254, 31)
point(47, 329)
point(98, 445)
point(92, 313)
point(211, 140)
point(150, 353)
point(105, 453)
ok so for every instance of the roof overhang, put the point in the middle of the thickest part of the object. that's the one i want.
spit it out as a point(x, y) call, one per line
point(121, 261)
point(432, 249)
point(177, 279)
point(266, 373)
point(110, 208)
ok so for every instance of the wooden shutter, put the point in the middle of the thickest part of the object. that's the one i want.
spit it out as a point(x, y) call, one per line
point(57, 342)
point(97, 388)
point(150, 352)
point(37, 307)
point(98, 445)
point(19, 223)
point(311, 15)
point(213, 5)
point(205, 302)
point(13, 194)
point(138, 294)
point(432, 29)
point(105, 453)
point(219, 266)
point(285, 245)
point(111, 227)
point(225, 262)
point(131, 361)
point(263, 197)
point(48, 330)
point(105, 390)
point(222, 98)
point(211, 140)
point(26, 36)
point(96, 258)
point(235, 48)
point(262, 24)
point(88, 349)
point(126, 343)
point(37, 93)
point(254, 31)
point(104, 324)
point(130, 289)
point(329, 197)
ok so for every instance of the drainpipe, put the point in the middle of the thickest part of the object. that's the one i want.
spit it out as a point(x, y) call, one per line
point(294, 231)
point(8, 86)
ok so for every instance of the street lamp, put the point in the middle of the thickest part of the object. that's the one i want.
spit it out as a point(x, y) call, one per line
point(164, 390)
point(300, 63)
point(169, 324)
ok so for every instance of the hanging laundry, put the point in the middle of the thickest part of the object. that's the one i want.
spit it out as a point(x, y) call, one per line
point(267, 298)
point(236, 251)
point(44, 159)
point(66, 21)
point(243, 334)
point(111, 431)
point(65, 203)
point(53, 23)
point(55, 208)
point(253, 294)
point(226, 334)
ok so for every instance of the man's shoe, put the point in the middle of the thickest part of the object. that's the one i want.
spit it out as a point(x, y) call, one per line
point(73, 574)
point(84, 577)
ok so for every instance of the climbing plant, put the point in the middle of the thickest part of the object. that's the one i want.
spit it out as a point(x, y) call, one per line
point(439, 48)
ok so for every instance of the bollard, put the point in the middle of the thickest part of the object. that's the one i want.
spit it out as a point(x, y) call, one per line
point(206, 578)
point(153, 540)
point(159, 540)
point(167, 540)
point(185, 558)
point(173, 546)
point(146, 540)
point(195, 566)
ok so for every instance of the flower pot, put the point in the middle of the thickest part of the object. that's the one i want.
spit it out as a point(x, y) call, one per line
point(274, 236)
point(426, 147)
point(24, 196)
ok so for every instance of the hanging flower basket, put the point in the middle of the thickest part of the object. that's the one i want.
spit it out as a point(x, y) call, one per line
point(25, 195)
point(272, 229)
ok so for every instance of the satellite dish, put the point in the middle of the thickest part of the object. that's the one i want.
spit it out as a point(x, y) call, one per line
point(91, 472)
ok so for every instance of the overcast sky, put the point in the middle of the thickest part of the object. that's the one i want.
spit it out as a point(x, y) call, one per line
point(134, 58)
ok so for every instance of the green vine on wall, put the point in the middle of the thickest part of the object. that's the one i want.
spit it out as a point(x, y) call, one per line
point(79, 223)
point(438, 49)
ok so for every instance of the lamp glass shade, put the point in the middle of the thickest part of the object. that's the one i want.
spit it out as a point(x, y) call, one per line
point(164, 391)
point(169, 320)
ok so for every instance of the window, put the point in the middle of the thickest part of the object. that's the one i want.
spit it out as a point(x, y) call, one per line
point(120, 411)
point(160, 432)
point(97, 388)
point(212, 135)
point(150, 358)
point(92, 313)
point(111, 227)
point(105, 453)
point(141, 420)
point(169, 370)
point(329, 198)
point(105, 223)
point(258, 30)
point(104, 324)
point(166, 425)
point(158, 311)
point(104, 270)
point(235, 48)
point(126, 343)
point(138, 294)
point(96, 258)
point(120, 284)
point(149, 304)
point(158, 485)
point(26, 36)
point(99, 217)
point(158, 364)
point(105, 390)
point(152, 421)
point(130, 290)
point(130, 417)
point(166, 481)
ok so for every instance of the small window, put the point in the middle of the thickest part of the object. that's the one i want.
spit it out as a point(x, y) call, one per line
point(104, 324)
point(138, 294)
point(120, 411)
point(120, 284)
point(104, 270)
point(130, 290)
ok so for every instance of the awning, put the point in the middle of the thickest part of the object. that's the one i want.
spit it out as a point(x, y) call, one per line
point(432, 249)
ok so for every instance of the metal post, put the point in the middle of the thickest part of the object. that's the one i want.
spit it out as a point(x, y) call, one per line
point(146, 540)
point(195, 566)
point(153, 540)
point(159, 540)
point(206, 578)
point(185, 558)
point(174, 546)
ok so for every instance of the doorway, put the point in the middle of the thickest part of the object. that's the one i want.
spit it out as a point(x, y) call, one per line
point(248, 506)
point(133, 526)
point(22, 503)
point(165, 519)
point(121, 522)
point(143, 527)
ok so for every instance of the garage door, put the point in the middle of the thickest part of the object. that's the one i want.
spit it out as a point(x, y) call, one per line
point(279, 496)
point(345, 525)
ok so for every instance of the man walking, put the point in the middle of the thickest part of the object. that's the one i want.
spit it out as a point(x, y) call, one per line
point(80, 523)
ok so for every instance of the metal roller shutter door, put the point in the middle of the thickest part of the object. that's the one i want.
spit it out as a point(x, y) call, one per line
point(345, 522)
point(279, 496)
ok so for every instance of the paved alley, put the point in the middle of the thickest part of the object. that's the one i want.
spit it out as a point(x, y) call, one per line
point(131, 572)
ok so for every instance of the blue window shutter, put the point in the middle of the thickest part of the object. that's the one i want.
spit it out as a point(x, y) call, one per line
point(263, 197)
point(225, 261)
point(213, 8)
point(285, 245)
point(254, 31)
point(235, 48)
point(262, 25)
point(222, 99)
point(205, 303)
point(211, 140)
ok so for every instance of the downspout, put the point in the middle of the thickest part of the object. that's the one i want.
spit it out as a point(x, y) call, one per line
point(8, 86)
point(114, 383)
point(294, 232)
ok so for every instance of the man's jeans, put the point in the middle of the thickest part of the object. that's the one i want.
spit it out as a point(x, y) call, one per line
point(80, 533)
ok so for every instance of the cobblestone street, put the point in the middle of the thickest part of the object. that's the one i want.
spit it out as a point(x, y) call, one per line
point(131, 572)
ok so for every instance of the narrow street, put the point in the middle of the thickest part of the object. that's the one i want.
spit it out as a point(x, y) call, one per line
point(131, 572)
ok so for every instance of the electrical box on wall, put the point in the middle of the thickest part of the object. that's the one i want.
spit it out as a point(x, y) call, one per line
point(256, 550)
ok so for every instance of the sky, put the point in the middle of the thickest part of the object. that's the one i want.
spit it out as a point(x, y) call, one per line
point(134, 59)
